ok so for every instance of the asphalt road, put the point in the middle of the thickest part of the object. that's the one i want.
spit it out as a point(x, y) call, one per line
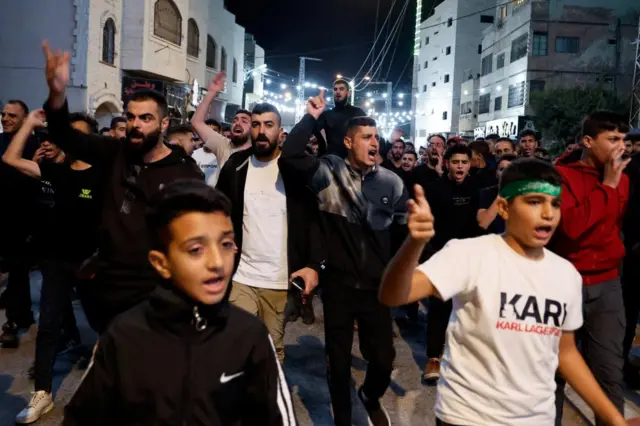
point(408, 401)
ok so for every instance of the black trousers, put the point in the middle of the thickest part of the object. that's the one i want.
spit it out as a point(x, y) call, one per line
point(631, 294)
point(601, 340)
point(19, 292)
point(342, 306)
point(437, 321)
point(56, 315)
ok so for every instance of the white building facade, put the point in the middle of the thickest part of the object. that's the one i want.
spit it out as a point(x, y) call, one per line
point(448, 55)
point(120, 46)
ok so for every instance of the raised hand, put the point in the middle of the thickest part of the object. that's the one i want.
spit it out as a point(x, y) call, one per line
point(217, 83)
point(613, 168)
point(36, 119)
point(420, 217)
point(56, 68)
point(317, 105)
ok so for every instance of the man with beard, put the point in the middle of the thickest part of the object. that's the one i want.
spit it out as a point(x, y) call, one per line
point(431, 170)
point(334, 121)
point(19, 195)
point(216, 143)
point(395, 162)
point(135, 168)
point(272, 218)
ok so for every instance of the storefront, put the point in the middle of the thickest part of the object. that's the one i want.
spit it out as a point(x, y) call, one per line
point(507, 127)
point(178, 94)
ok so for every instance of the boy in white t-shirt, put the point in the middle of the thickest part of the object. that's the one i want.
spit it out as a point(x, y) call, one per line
point(515, 308)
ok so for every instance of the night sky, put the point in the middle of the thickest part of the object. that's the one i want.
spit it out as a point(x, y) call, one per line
point(340, 32)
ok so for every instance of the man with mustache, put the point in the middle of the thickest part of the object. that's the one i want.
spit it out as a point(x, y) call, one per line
point(431, 169)
point(135, 168)
point(274, 222)
point(214, 141)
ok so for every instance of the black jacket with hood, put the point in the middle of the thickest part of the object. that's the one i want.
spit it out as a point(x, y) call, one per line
point(305, 246)
point(170, 361)
point(122, 238)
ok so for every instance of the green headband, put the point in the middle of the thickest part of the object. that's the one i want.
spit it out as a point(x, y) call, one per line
point(522, 187)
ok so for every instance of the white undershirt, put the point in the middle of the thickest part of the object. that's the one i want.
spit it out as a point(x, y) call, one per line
point(263, 260)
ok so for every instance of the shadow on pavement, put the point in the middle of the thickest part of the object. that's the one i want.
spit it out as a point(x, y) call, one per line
point(10, 405)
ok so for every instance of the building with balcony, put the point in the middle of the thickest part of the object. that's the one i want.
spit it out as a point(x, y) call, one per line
point(448, 56)
point(535, 45)
point(118, 47)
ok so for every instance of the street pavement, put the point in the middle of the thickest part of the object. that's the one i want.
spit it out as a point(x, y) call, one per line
point(408, 401)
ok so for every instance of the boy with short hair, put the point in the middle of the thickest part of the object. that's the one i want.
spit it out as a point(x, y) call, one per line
point(594, 200)
point(186, 355)
point(516, 306)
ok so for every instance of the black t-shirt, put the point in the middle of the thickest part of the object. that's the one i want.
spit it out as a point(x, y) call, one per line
point(334, 123)
point(487, 197)
point(76, 212)
point(388, 164)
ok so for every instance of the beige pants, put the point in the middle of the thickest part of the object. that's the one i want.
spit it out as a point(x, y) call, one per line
point(266, 304)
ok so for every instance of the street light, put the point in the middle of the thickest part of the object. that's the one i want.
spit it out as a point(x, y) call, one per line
point(339, 76)
point(400, 103)
point(401, 95)
point(268, 81)
point(283, 86)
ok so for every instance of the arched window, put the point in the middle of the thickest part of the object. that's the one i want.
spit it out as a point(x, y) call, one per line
point(223, 60)
point(109, 41)
point(212, 53)
point(167, 21)
point(235, 70)
point(193, 38)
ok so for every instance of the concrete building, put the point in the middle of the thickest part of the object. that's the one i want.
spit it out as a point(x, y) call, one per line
point(541, 44)
point(118, 47)
point(254, 63)
point(448, 55)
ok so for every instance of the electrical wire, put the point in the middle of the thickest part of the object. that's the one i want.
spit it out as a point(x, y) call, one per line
point(470, 14)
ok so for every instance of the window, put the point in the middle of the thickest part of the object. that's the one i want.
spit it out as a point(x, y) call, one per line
point(465, 108)
point(519, 48)
point(448, 50)
point(516, 95)
point(223, 60)
point(497, 103)
point(423, 133)
point(426, 41)
point(536, 86)
point(424, 88)
point(235, 71)
point(449, 22)
point(540, 45)
point(426, 64)
point(193, 38)
point(445, 115)
point(435, 58)
point(487, 63)
point(446, 78)
point(485, 104)
point(479, 49)
point(167, 22)
point(500, 61)
point(212, 53)
point(109, 41)
point(567, 44)
point(418, 67)
point(433, 84)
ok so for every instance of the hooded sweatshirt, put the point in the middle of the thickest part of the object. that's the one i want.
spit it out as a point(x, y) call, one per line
point(589, 235)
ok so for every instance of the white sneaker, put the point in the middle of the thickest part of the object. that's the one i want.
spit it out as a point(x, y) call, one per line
point(41, 403)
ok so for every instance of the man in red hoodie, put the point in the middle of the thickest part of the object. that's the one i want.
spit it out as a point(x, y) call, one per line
point(594, 198)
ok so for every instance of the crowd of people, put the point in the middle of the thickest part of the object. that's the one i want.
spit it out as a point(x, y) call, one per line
point(179, 241)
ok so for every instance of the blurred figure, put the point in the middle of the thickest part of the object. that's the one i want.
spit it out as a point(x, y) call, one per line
point(492, 139)
point(214, 124)
point(226, 132)
point(543, 154)
point(119, 127)
point(527, 143)
point(634, 138)
point(409, 160)
point(105, 131)
point(394, 163)
point(182, 136)
point(282, 139)
point(313, 146)
point(504, 146)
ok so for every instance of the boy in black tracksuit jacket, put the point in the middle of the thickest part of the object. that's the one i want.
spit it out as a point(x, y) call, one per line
point(186, 356)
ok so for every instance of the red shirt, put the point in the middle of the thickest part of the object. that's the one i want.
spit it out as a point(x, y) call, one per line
point(589, 235)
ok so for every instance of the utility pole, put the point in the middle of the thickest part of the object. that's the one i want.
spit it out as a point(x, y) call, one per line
point(634, 112)
point(301, 78)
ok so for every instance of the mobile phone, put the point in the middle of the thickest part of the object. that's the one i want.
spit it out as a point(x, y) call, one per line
point(298, 283)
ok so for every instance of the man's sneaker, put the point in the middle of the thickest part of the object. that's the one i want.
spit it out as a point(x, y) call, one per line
point(41, 403)
point(378, 416)
point(9, 336)
point(308, 316)
point(432, 370)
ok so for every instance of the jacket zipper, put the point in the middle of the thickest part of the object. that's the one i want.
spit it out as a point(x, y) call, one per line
point(200, 324)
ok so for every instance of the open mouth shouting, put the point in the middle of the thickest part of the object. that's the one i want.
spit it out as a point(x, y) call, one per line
point(543, 232)
point(214, 285)
point(371, 154)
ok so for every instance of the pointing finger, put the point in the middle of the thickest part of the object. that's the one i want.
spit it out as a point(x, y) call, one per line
point(419, 194)
point(321, 93)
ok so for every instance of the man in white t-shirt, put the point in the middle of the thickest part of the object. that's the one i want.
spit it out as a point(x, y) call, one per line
point(208, 163)
point(516, 306)
point(220, 146)
point(272, 220)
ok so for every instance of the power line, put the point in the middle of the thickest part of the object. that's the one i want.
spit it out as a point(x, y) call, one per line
point(469, 15)
point(311, 52)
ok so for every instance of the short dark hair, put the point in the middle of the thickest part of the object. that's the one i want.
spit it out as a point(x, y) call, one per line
point(264, 108)
point(176, 199)
point(524, 169)
point(404, 144)
point(480, 147)
point(116, 120)
point(152, 95)
point(458, 148)
point(506, 140)
point(356, 122)
point(507, 157)
point(81, 116)
point(179, 129)
point(437, 135)
point(242, 111)
point(343, 82)
point(527, 132)
point(212, 122)
point(632, 137)
point(494, 136)
point(412, 153)
point(20, 103)
point(603, 121)
point(104, 129)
